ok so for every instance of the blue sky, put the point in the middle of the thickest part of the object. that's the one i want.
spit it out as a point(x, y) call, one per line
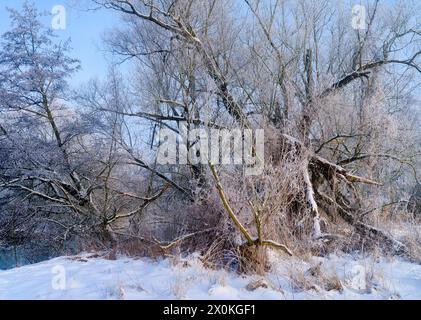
point(84, 27)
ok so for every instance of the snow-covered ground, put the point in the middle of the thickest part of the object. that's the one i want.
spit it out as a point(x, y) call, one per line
point(92, 277)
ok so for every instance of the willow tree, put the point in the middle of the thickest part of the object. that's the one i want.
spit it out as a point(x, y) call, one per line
point(288, 66)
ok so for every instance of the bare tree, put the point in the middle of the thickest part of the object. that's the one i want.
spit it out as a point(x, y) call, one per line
point(281, 73)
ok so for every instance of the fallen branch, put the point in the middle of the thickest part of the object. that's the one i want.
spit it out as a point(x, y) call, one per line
point(323, 163)
point(366, 230)
point(312, 203)
point(177, 241)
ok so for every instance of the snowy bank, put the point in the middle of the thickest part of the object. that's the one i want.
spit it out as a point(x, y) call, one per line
point(92, 277)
